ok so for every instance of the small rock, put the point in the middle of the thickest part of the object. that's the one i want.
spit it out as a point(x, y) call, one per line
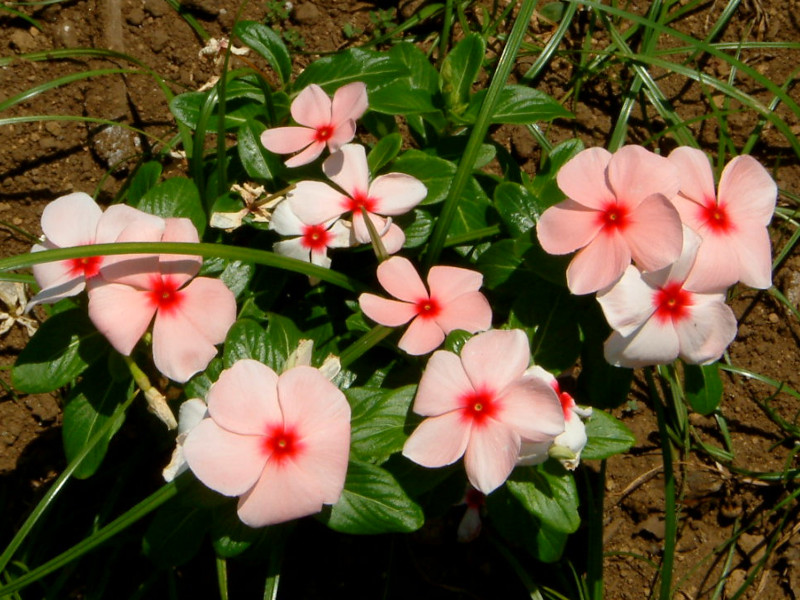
point(734, 582)
point(156, 8)
point(752, 545)
point(209, 7)
point(67, 35)
point(135, 17)
point(22, 41)
point(305, 14)
point(793, 287)
point(114, 144)
point(773, 318)
point(159, 41)
point(53, 128)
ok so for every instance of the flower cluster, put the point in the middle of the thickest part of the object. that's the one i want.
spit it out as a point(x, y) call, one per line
point(688, 242)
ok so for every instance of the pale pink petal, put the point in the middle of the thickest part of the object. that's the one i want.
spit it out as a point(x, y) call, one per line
point(447, 283)
point(55, 279)
point(634, 173)
point(287, 140)
point(599, 264)
point(654, 233)
point(349, 102)
point(184, 337)
point(396, 193)
point(692, 213)
point(444, 382)
point(117, 217)
point(226, 462)
point(567, 226)
point(348, 169)
point(697, 178)
point(308, 155)
point(182, 267)
point(709, 329)
point(491, 455)
point(343, 133)
point(655, 343)
point(282, 493)
point(390, 313)
point(315, 202)
point(135, 269)
point(71, 220)
point(284, 221)
point(340, 235)
point(533, 453)
point(320, 258)
point(121, 313)
point(393, 239)
point(438, 441)
point(583, 179)
point(245, 398)
point(470, 312)
point(495, 358)
point(292, 248)
point(754, 253)
point(680, 269)
point(312, 107)
point(716, 267)
point(399, 277)
point(628, 303)
point(747, 191)
point(530, 406)
point(421, 337)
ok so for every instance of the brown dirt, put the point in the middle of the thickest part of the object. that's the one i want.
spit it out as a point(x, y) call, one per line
point(43, 160)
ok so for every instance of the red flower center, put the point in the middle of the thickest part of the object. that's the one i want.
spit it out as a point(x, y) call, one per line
point(281, 443)
point(324, 133)
point(672, 302)
point(428, 308)
point(716, 217)
point(315, 237)
point(164, 294)
point(88, 266)
point(479, 405)
point(358, 201)
point(614, 216)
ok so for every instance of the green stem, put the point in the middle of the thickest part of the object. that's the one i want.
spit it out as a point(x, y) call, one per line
point(594, 568)
point(377, 243)
point(222, 577)
point(478, 133)
point(444, 41)
point(59, 483)
point(156, 402)
point(364, 343)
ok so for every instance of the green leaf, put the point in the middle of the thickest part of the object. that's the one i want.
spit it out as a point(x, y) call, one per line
point(548, 492)
point(229, 535)
point(517, 207)
point(258, 162)
point(436, 173)
point(607, 436)
point(418, 227)
point(89, 406)
point(235, 274)
point(244, 101)
point(544, 186)
point(459, 71)
point(356, 64)
point(176, 197)
point(266, 43)
point(455, 340)
point(384, 152)
point(61, 349)
point(198, 386)
point(176, 533)
point(518, 105)
point(373, 502)
point(422, 75)
point(703, 387)
point(245, 339)
point(145, 178)
point(378, 421)
point(399, 98)
point(499, 264)
point(283, 337)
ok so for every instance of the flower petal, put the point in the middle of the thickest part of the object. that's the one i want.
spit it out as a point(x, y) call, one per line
point(312, 107)
point(470, 312)
point(55, 279)
point(182, 267)
point(421, 337)
point(399, 277)
point(444, 382)
point(117, 217)
point(654, 233)
point(284, 221)
point(448, 283)
point(438, 441)
point(286, 140)
point(393, 239)
point(697, 178)
point(135, 269)
point(293, 248)
point(583, 178)
point(121, 313)
point(491, 455)
point(599, 264)
point(628, 303)
point(710, 329)
point(396, 193)
point(245, 398)
point(634, 173)
point(71, 220)
point(716, 267)
point(226, 462)
point(747, 191)
point(349, 102)
point(343, 133)
point(754, 254)
point(348, 169)
point(655, 343)
point(567, 226)
point(530, 406)
point(390, 313)
point(495, 358)
point(308, 155)
point(314, 202)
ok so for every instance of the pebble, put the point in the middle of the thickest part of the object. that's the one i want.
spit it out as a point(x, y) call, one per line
point(156, 8)
point(22, 41)
point(67, 35)
point(113, 144)
point(135, 17)
point(305, 14)
point(159, 41)
point(773, 318)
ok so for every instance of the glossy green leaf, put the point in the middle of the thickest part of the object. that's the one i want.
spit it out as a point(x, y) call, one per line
point(373, 502)
point(245, 101)
point(499, 264)
point(258, 162)
point(703, 387)
point(417, 226)
point(400, 98)
point(378, 421)
point(607, 436)
point(516, 206)
point(234, 273)
point(356, 64)
point(176, 197)
point(176, 533)
point(421, 73)
point(384, 152)
point(548, 492)
point(229, 535)
point(145, 178)
point(198, 386)
point(459, 71)
point(266, 43)
point(89, 406)
point(544, 186)
point(62, 348)
point(245, 339)
point(518, 105)
point(283, 337)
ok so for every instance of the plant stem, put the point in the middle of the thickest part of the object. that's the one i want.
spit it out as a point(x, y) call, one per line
point(156, 402)
point(364, 343)
point(594, 569)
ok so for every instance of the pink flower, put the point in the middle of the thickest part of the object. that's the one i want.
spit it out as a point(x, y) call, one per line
point(482, 406)
point(192, 314)
point(567, 446)
point(453, 302)
point(387, 196)
point(323, 123)
point(76, 220)
point(280, 443)
point(656, 318)
point(469, 528)
point(311, 240)
point(732, 223)
point(617, 208)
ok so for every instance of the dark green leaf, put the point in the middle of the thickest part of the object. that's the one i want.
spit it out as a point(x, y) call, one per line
point(356, 64)
point(399, 98)
point(244, 101)
point(268, 44)
point(455, 340)
point(517, 207)
point(384, 152)
point(607, 436)
point(703, 387)
point(146, 177)
point(499, 264)
point(459, 71)
point(229, 535)
point(258, 162)
point(418, 227)
point(245, 339)
point(518, 105)
point(544, 186)
point(61, 349)
point(176, 197)
point(176, 532)
point(235, 274)
point(283, 337)
point(373, 502)
point(198, 386)
point(421, 73)
point(378, 421)
point(548, 492)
